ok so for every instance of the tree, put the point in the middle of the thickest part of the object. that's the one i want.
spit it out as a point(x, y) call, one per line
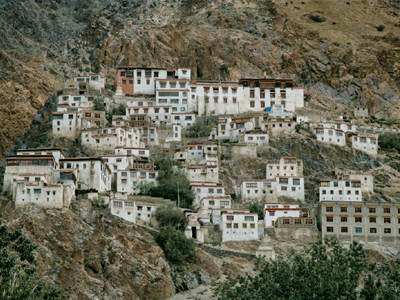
point(18, 276)
point(202, 126)
point(170, 176)
point(116, 111)
point(177, 247)
point(324, 271)
point(167, 216)
point(258, 209)
point(98, 104)
point(389, 141)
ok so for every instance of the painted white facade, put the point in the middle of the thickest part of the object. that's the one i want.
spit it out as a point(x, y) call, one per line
point(291, 187)
point(94, 81)
point(239, 227)
point(143, 152)
point(203, 173)
point(57, 153)
point(41, 194)
point(227, 124)
point(195, 151)
point(367, 144)
point(286, 166)
point(340, 190)
point(125, 209)
point(256, 138)
point(173, 92)
point(25, 165)
point(259, 190)
point(128, 180)
point(273, 211)
point(206, 189)
point(93, 173)
point(331, 136)
point(183, 119)
point(216, 214)
point(367, 181)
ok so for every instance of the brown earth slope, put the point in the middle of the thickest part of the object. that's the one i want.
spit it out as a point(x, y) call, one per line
point(343, 62)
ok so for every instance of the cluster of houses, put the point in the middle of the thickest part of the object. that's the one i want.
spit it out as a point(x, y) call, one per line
point(160, 104)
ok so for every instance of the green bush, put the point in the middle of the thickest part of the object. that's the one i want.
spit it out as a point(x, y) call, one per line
point(167, 216)
point(258, 209)
point(177, 247)
point(116, 111)
point(318, 18)
point(98, 104)
point(324, 271)
point(389, 141)
point(381, 27)
point(18, 275)
point(170, 176)
point(202, 127)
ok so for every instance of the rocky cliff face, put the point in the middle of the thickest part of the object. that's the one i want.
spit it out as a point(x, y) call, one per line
point(343, 62)
point(93, 255)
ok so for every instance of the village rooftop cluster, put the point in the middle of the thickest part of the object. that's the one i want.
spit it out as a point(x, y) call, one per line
point(160, 105)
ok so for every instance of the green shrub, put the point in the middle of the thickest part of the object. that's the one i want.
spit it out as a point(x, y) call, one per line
point(381, 27)
point(170, 175)
point(177, 247)
point(116, 111)
point(389, 141)
point(323, 271)
point(19, 279)
point(202, 127)
point(167, 216)
point(258, 209)
point(318, 18)
point(98, 104)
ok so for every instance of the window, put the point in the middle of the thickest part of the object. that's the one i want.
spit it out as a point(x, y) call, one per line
point(358, 229)
point(211, 202)
point(329, 229)
point(230, 218)
point(372, 219)
point(262, 103)
point(358, 219)
point(252, 104)
point(252, 225)
point(386, 210)
point(372, 230)
point(387, 230)
point(37, 191)
point(386, 220)
point(244, 225)
point(343, 209)
point(343, 219)
point(249, 218)
point(235, 225)
point(344, 229)
point(297, 221)
point(286, 221)
point(329, 209)
point(252, 94)
point(372, 210)
point(309, 221)
point(329, 219)
point(228, 225)
point(272, 213)
point(357, 209)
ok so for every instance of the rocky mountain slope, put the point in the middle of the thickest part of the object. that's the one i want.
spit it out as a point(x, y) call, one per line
point(343, 62)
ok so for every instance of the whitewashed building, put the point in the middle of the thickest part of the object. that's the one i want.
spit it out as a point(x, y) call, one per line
point(239, 227)
point(42, 194)
point(128, 180)
point(290, 187)
point(256, 189)
point(203, 173)
point(216, 214)
point(273, 211)
point(195, 151)
point(143, 152)
point(367, 181)
point(206, 189)
point(286, 166)
point(93, 173)
point(330, 135)
point(340, 190)
point(364, 143)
